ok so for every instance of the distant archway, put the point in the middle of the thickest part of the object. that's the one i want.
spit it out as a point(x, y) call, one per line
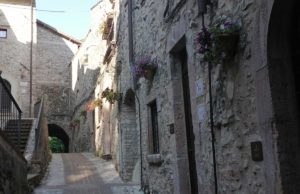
point(284, 73)
point(56, 131)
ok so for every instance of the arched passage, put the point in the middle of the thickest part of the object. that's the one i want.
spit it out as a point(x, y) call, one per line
point(56, 131)
point(284, 74)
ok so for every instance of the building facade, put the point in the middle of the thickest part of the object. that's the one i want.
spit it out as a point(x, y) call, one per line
point(35, 61)
point(254, 97)
point(199, 124)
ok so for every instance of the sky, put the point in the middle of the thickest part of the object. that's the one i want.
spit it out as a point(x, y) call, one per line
point(69, 16)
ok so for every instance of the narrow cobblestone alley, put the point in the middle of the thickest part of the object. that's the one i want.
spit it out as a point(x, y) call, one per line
point(83, 173)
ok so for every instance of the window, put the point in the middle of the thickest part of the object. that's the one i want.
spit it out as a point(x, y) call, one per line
point(3, 33)
point(153, 129)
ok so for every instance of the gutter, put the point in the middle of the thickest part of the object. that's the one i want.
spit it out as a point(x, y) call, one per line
point(202, 10)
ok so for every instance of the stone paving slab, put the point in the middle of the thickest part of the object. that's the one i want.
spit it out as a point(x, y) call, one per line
point(83, 173)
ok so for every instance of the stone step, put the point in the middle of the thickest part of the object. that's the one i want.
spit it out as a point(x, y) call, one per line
point(12, 133)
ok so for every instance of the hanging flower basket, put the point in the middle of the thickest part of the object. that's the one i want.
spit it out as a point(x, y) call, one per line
point(110, 95)
point(227, 44)
point(145, 67)
point(93, 104)
point(83, 114)
point(75, 123)
point(219, 42)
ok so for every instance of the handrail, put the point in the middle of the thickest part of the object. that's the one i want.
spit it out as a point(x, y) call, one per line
point(10, 114)
point(9, 93)
point(37, 126)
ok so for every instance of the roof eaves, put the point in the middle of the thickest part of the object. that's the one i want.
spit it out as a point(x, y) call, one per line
point(55, 31)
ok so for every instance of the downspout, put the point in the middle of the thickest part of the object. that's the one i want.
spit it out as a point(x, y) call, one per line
point(31, 59)
point(213, 138)
point(131, 62)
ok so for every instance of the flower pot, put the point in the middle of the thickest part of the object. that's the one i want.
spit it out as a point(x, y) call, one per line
point(149, 74)
point(226, 45)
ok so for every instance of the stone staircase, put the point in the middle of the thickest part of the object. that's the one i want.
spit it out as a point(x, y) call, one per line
point(11, 132)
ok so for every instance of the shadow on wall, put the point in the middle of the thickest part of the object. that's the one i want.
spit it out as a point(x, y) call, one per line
point(84, 91)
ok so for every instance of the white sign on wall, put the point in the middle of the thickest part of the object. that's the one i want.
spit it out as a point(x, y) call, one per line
point(199, 87)
point(201, 112)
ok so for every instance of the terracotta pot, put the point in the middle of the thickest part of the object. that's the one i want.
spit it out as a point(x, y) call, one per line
point(149, 74)
point(227, 45)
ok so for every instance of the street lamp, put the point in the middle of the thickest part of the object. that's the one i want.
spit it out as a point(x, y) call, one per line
point(86, 55)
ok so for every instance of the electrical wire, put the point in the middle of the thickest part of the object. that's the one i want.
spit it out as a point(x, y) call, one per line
point(46, 10)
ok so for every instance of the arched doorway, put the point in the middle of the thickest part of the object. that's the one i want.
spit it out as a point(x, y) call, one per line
point(56, 131)
point(284, 76)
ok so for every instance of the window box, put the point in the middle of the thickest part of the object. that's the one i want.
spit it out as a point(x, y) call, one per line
point(155, 159)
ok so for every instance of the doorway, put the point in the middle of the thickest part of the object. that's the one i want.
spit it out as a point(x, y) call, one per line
point(284, 74)
point(183, 124)
point(188, 121)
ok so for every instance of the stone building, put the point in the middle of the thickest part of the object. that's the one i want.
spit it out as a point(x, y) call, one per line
point(254, 97)
point(35, 61)
point(53, 78)
point(163, 124)
point(93, 70)
point(214, 126)
point(18, 50)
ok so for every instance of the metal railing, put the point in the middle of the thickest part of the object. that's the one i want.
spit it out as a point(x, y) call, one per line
point(38, 114)
point(10, 112)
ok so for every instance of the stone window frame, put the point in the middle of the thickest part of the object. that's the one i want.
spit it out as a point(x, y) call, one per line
point(153, 129)
point(3, 31)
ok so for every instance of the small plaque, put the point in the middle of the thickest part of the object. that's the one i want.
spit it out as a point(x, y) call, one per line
point(199, 87)
point(201, 112)
point(256, 151)
point(171, 128)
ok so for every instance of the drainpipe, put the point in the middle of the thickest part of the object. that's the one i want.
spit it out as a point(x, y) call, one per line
point(31, 59)
point(130, 39)
point(213, 138)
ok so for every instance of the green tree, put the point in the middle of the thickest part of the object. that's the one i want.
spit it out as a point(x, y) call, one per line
point(56, 145)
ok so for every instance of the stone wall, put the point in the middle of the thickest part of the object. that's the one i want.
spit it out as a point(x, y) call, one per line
point(15, 51)
point(13, 169)
point(88, 73)
point(233, 90)
point(53, 77)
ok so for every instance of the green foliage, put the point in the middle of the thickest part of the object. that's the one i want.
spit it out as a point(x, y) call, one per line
point(218, 43)
point(56, 145)
point(83, 114)
point(110, 95)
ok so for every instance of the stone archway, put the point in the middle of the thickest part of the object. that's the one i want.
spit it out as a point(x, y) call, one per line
point(56, 131)
point(283, 61)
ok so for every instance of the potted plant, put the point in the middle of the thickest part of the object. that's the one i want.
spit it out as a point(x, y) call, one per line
point(75, 123)
point(110, 95)
point(93, 104)
point(145, 67)
point(219, 42)
point(83, 114)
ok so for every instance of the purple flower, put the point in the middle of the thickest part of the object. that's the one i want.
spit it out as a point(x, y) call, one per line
point(137, 70)
point(203, 40)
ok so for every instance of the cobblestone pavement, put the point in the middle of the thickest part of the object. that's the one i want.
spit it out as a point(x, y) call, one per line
point(83, 173)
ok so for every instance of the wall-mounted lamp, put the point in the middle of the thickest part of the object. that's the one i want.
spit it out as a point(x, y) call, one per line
point(86, 55)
